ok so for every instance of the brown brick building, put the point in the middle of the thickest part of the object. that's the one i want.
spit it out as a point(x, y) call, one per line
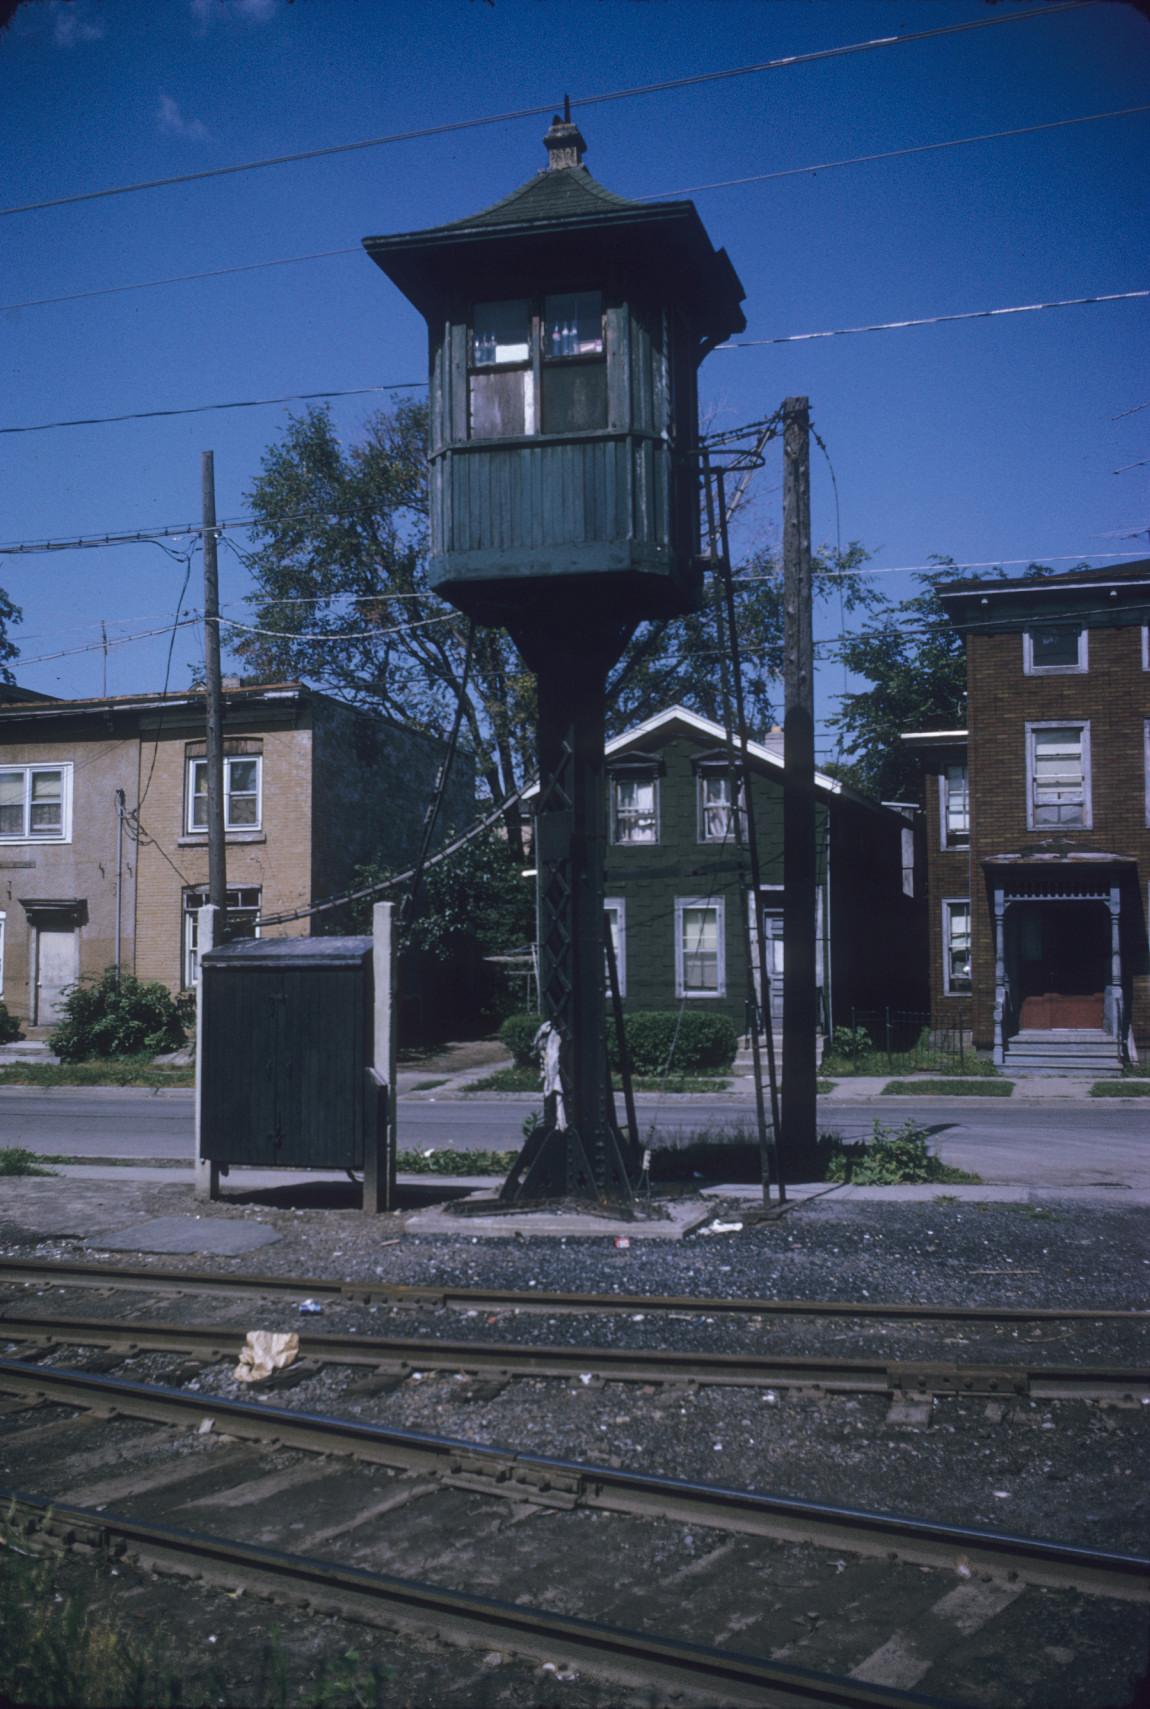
point(1038, 821)
point(103, 840)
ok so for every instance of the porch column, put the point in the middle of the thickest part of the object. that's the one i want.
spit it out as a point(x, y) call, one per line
point(999, 976)
point(1112, 1016)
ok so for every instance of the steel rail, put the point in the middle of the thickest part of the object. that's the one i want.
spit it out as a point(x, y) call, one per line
point(137, 1277)
point(551, 1482)
point(326, 1587)
point(212, 1342)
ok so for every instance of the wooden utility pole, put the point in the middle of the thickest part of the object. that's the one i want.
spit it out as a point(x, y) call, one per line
point(217, 869)
point(799, 1139)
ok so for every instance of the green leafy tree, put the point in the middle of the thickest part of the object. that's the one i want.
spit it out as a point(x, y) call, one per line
point(343, 601)
point(9, 614)
point(915, 660)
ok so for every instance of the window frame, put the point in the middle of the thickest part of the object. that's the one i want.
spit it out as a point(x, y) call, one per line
point(534, 365)
point(635, 774)
point(189, 922)
point(29, 768)
point(945, 838)
point(1082, 725)
point(617, 905)
point(736, 815)
point(191, 829)
point(948, 987)
point(716, 904)
point(1079, 668)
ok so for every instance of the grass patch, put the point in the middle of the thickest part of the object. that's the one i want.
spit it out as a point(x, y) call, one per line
point(527, 1080)
point(15, 1160)
point(105, 1071)
point(1120, 1089)
point(948, 1088)
point(822, 1087)
point(877, 1062)
point(429, 1085)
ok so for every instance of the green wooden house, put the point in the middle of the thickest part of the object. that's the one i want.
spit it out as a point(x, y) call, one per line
point(676, 873)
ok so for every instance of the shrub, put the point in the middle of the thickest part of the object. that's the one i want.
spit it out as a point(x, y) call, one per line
point(120, 1016)
point(662, 1041)
point(850, 1043)
point(9, 1026)
point(518, 1034)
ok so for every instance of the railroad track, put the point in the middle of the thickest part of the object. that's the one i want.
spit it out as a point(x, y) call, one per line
point(197, 1484)
point(142, 1277)
point(46, 1335)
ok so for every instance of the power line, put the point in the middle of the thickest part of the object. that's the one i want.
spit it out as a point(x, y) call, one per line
point(742, 344)
point(933, 320)
point(662, 195)
point(203, 409)
point(354, 635)
point(943, 569)
point(113, 641)
point(885, 154)
point(667, 86)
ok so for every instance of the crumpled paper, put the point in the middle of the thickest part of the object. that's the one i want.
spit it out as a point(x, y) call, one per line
point(263, 1352)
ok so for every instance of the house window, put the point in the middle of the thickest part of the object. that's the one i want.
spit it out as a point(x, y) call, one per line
point(635, 808)
point(907, 850)
point(716, 814)
point(956, 947)
point(521, 350)
point(1055, 647)
point(615, 909)
point(954, 807)
point(1058, 773)
point(699, 960)
point(35, 803)
point(241, 794)
point(243, 921)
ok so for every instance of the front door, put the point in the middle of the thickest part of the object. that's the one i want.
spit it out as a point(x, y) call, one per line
point(1063, 950)
point(772, 929)
point(57, 967)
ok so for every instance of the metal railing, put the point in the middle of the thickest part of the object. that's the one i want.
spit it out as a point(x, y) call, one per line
point(906, 1038)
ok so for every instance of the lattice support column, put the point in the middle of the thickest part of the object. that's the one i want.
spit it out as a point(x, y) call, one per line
point(578, 1151)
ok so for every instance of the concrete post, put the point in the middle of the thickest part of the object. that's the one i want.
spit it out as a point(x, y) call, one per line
point(207, 1183)
point(381, 1132)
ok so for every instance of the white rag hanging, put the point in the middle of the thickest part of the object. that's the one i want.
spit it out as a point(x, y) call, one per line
point(547, 1042)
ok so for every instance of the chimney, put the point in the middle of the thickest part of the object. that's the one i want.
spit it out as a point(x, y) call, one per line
point(564, 142)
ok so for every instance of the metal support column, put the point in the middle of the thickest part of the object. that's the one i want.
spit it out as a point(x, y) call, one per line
point(578, 1151)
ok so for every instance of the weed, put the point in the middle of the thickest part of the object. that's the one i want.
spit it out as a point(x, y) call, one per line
point(449, 1162)
point(889, 1158)
point(15, 1160)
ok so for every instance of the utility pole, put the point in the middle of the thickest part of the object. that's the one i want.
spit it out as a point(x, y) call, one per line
point(799, 1137)
point(217, 871)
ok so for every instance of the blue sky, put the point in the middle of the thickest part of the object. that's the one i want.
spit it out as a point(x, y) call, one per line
point(987, 440)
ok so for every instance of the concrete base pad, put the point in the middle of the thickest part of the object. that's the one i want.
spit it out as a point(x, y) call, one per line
point(683, 1215)
point(215, 1235)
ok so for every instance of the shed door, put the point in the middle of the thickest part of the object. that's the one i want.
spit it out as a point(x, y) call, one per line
point(57, 967)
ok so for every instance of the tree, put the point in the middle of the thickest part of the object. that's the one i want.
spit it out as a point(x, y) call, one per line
point(343, 601)
point(9, 614)
point(915, 659)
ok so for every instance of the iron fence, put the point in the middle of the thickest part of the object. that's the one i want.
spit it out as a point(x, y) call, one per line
point(913, 1036)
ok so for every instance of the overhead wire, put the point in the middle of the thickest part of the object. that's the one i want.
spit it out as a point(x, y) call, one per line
point(935, 320)
point(665, 86)
point(806, 171)
point(741, 344)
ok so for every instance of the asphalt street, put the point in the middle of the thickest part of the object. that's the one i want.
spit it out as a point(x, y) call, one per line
point(1077, 1144)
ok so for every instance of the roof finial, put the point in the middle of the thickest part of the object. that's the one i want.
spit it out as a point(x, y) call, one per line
point(564, 142)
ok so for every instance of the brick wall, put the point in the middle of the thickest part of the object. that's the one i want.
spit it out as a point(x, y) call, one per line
point(1114, 696)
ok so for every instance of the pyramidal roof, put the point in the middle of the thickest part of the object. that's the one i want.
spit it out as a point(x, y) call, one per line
point(555, 193)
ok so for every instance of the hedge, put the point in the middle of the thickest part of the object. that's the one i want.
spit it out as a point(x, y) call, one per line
point(659, 1041)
